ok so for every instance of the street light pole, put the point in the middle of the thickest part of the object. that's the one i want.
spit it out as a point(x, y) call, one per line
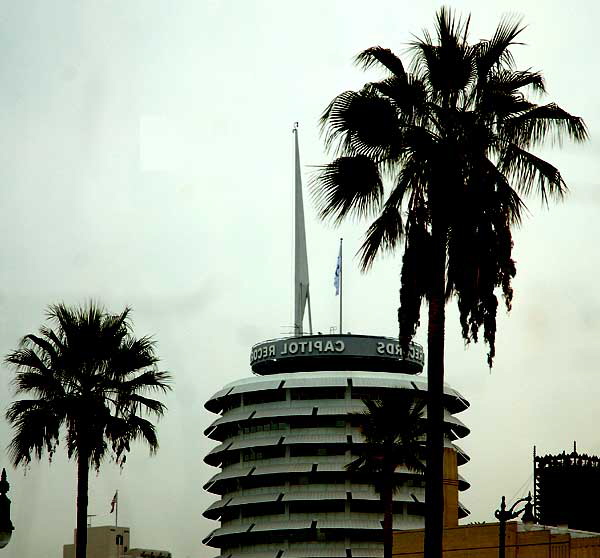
point(6, 526)
point(503, 515)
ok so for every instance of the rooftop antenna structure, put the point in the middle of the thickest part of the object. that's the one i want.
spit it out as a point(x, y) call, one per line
point(301, 290)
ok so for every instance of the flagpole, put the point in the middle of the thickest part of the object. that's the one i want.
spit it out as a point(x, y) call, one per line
point(341, 284)
point(117, 511)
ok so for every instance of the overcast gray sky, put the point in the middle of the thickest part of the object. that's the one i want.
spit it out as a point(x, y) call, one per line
point(146, 159)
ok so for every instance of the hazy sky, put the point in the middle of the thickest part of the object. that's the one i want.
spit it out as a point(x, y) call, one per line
point(146, 159)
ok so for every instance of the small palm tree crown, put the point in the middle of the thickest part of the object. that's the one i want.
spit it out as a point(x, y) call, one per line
point(90, 377)
point(394, 435)
point(452, 136)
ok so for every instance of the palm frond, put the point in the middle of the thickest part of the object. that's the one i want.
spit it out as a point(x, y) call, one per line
point(142, 429)
point(530, 172)
point(37, 425)
point(381, 56)
point(116, 326)
point(382, 236)
point(132, 355)
point(452, 31)
point(447, 66)
point(53, 338)
point(416, 274)
point(347, 186)
point(496, 51)
point(387, 230)
point(363, 463)
point(43, 384)
point(121, 431)
point(148, 381)
point(510, 81)
point(360, 123)
point(409, 96)
point(535, 125)
point(502, 105)
point(26, 358)
point(475, 274)
point(139, 403)
point(501, 198)
point(44, 345)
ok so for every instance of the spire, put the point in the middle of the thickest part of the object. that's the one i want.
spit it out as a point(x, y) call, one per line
point(301, 292)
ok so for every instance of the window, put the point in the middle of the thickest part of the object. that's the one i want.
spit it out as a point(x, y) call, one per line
point(321, 506)
point(365, 393)
point(253, 427)
point(318, 393)
point(415, 508)
point(267, 508)
point(231, 402)
point(325, 479)
point(317, 422)
point(230, 458)
point(260, 397)
point(373, 393)
point(253, 454)
point(320, 451)
point(230, 515)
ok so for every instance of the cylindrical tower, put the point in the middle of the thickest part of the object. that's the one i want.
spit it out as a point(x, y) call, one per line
point(285, 437)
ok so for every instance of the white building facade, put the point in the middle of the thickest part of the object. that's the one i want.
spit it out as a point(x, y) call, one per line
point(108, 541)
point(286, 435)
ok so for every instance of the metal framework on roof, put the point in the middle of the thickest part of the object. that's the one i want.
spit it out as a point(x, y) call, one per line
point(567, 490)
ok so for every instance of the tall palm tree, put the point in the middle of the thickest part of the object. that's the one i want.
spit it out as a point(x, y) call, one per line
point(88, 378)
point(394, 430)
point(453, 137)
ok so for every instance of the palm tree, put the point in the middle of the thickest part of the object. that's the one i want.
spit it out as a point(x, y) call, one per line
point(88, 378)
point(453, 137)
point(394, 429)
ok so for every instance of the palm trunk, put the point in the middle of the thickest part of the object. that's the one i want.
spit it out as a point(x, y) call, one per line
point(434, 488)
point(387, 498)
point(82, 502)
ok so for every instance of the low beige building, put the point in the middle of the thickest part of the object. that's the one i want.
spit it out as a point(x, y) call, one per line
point(147, 553)
point(481, 541)
point(112, 542)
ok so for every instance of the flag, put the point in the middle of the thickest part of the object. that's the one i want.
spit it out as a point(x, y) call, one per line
point(114, 501)
point(338, 272)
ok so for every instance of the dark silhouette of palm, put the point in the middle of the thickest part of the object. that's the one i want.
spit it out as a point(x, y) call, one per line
point(90, 379)
point(394, 432)
point(453, 137)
